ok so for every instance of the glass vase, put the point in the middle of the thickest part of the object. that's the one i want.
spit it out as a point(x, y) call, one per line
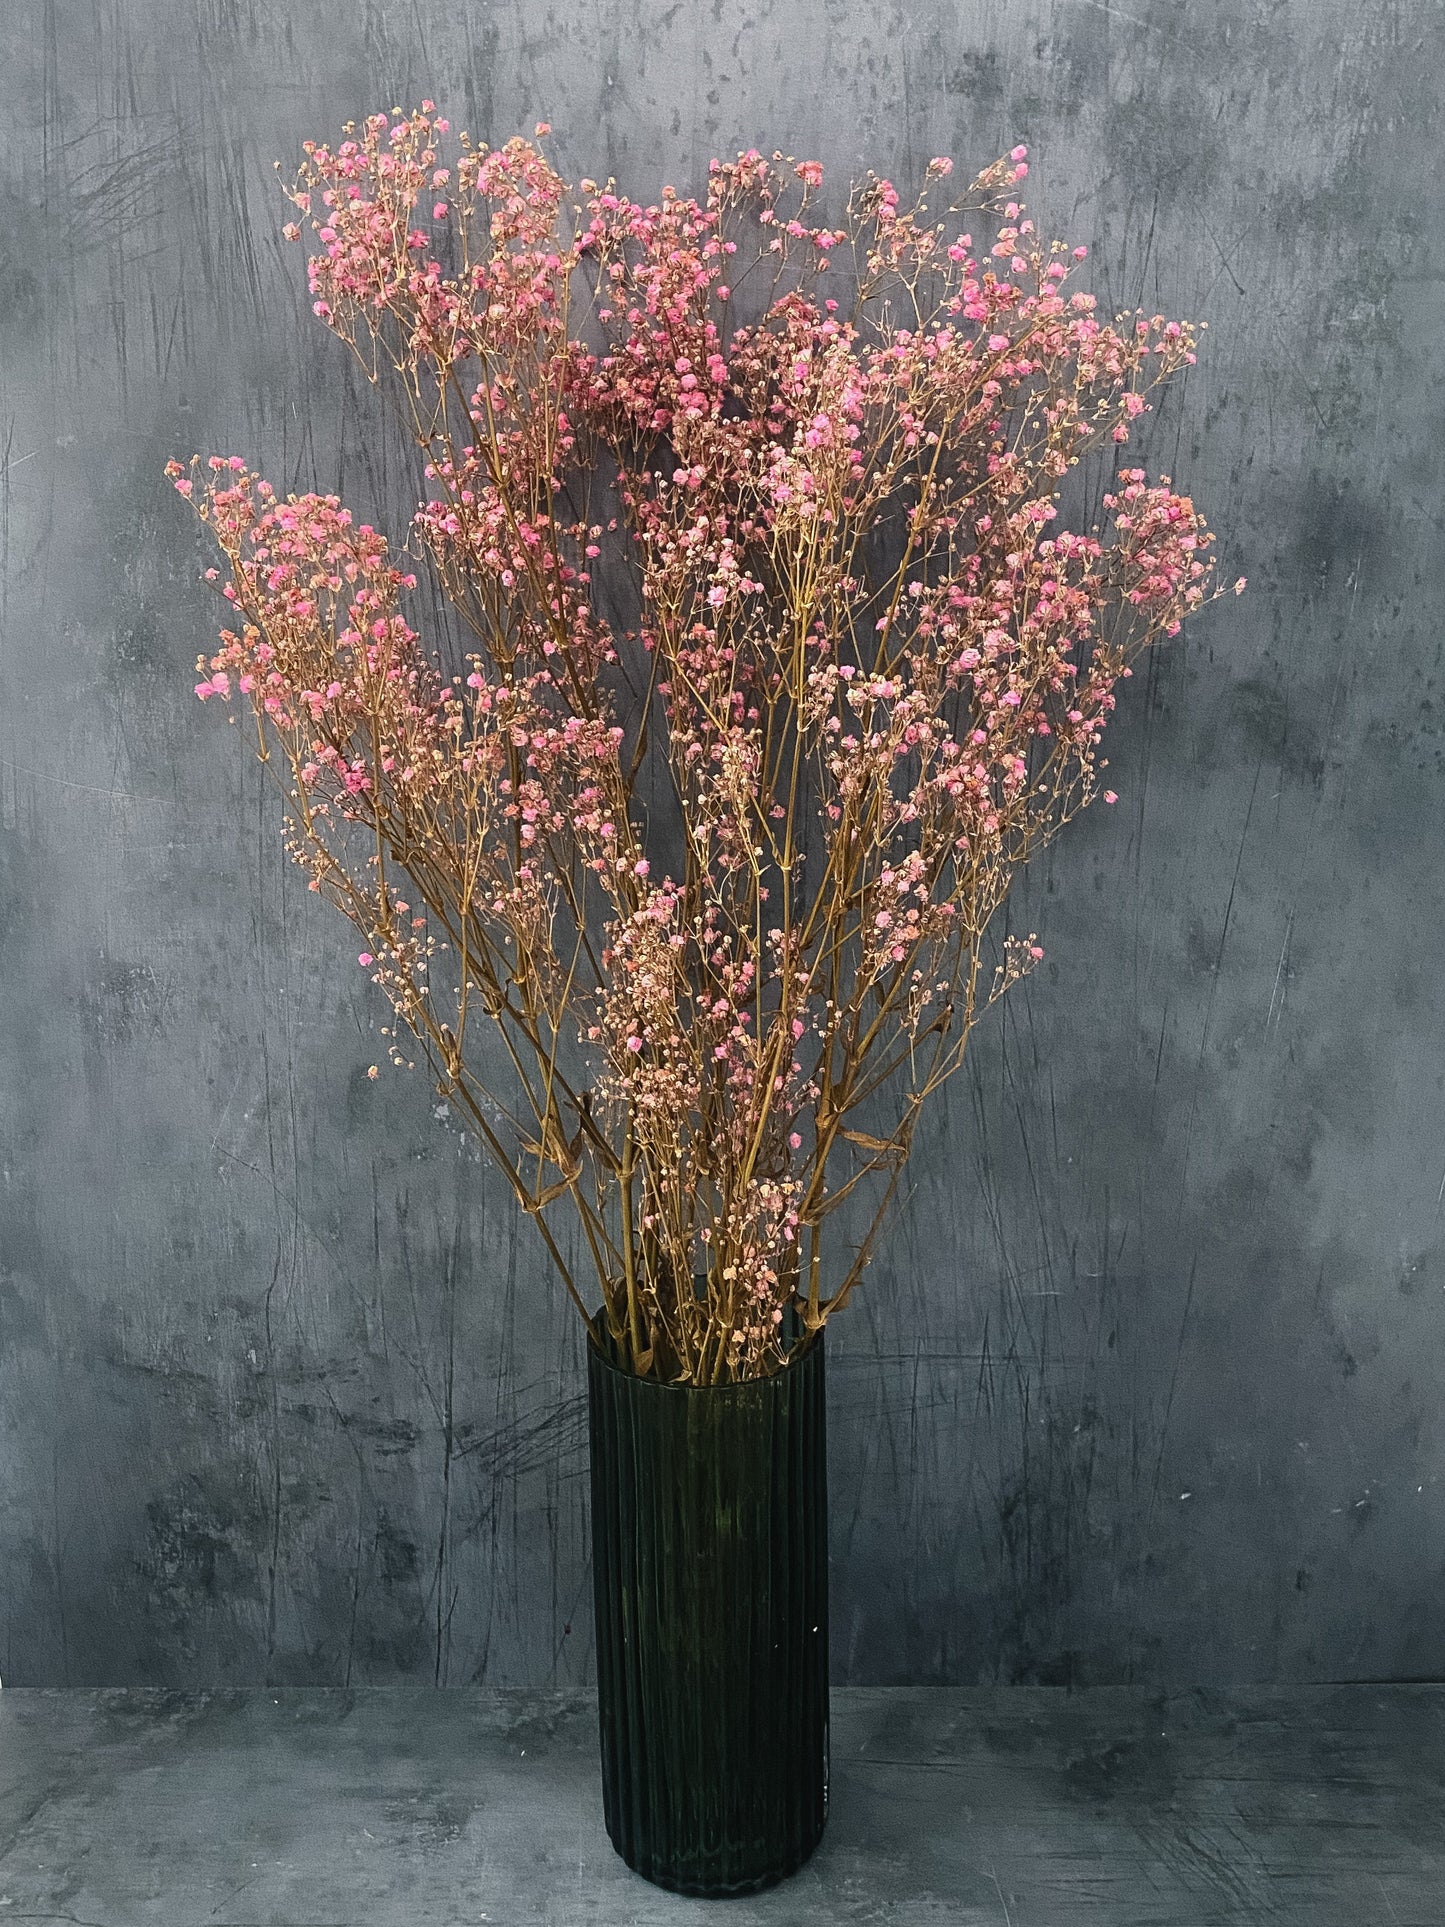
point(710, 1572)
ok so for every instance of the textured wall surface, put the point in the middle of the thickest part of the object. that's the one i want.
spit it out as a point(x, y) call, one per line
point(1148, 1382)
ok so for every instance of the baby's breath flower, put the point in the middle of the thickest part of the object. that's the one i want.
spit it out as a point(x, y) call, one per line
point(728, 876)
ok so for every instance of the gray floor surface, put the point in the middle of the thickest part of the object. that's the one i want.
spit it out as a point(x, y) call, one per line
point(1019, 1807)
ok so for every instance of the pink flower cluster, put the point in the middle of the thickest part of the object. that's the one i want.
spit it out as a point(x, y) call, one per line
point(721, 876)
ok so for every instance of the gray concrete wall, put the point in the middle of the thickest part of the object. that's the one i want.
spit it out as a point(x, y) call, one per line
point(1147, 1384)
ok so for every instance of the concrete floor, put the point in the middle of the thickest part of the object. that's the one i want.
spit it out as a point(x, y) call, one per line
point(1020, 1808)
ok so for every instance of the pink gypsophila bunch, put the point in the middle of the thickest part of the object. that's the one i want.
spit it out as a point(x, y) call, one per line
point(721, 882)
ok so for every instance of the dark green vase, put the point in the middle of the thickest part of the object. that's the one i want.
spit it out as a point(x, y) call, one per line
point(710, 1571)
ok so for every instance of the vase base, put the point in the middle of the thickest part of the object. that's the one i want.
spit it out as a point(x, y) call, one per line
point(698, 1889)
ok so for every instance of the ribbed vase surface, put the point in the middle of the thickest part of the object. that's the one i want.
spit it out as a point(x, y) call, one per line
point(710, 1568)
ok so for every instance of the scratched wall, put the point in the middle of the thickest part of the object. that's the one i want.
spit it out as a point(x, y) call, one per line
point(1148, 1383)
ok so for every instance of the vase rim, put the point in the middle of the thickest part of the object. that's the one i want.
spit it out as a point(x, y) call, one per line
point(802, 1351)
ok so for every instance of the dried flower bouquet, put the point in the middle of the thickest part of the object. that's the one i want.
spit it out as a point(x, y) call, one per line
point(682, 872)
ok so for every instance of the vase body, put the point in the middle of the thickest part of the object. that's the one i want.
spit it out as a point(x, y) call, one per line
point(710, 1572)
